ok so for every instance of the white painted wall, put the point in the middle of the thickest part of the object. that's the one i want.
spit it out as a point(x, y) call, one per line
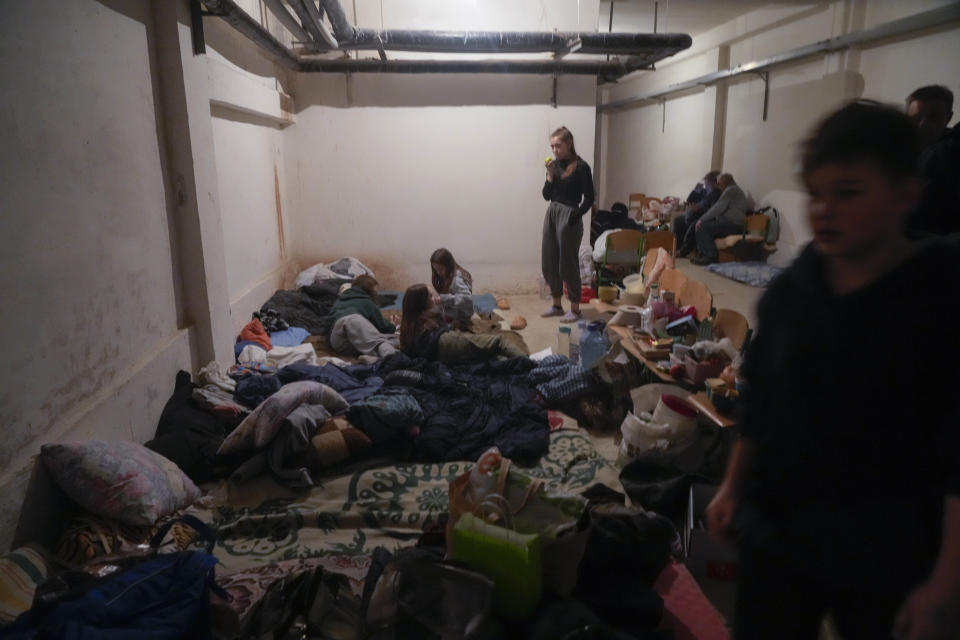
point(763, 155)
point(388, 168)
point(92, 337)
point(249, 112)
point(420, 163)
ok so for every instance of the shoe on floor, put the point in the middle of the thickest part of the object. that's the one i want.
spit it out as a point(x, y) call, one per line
point(702, 262)
point(570, 316)
point(551, 312)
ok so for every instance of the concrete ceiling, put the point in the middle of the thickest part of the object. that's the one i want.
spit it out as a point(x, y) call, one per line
point(680, 16)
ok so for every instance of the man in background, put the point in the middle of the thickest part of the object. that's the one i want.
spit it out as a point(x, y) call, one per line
point(931, 109)
point(703, 196)
point(722, 219)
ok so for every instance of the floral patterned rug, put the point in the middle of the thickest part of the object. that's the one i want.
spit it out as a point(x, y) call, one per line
point(338, 524)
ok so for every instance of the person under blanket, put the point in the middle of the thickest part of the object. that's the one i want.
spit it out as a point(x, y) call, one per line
point(424, 334)
point(844, 487)
point(359, 327)
point(454, 286)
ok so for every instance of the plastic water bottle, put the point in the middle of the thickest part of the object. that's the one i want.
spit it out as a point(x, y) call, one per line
point(593, 344)
point(563, 341)
point(575, 336)
point(654, 294)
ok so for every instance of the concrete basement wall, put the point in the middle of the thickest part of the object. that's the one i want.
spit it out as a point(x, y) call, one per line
point(730, 132)
point(388, 168)
point(250, 110)
point(93, 331)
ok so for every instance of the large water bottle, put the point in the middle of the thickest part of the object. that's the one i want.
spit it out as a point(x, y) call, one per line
point(593, 344)
point(575, 337)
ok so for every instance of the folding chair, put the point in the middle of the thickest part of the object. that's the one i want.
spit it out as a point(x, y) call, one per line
point(635, 204)
point(624, 248)
point(697, 294)
point(673, 280)
point(731, 324)
point(664, 239)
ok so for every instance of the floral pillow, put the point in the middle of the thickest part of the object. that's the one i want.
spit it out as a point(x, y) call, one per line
point(264, 422)
point(121, 480)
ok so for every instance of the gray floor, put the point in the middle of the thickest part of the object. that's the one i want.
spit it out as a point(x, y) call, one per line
point(727, 294)
point(542, 332)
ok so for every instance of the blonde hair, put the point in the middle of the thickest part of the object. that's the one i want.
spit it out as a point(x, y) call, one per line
point(564, 134)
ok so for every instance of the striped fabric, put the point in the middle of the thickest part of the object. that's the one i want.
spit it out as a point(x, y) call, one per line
point(21, 571)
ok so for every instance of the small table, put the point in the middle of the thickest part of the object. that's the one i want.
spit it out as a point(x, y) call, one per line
point(704, 406)
point(633, 348)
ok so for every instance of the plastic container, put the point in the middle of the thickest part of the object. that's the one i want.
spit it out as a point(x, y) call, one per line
point(575, 334)
point(593, 344)
point(654, 294)
point(563, 341)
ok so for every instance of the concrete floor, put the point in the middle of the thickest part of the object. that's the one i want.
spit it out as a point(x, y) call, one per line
point(542, 332)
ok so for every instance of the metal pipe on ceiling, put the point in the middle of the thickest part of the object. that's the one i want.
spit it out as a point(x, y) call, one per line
point(253, 30)
point(645, 48)
point(892, 29)
point(543, 67)
point(277, 9)
point(316, 19)
point(642, 44)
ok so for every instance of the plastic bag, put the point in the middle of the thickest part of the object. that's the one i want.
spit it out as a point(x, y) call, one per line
point(518, 502)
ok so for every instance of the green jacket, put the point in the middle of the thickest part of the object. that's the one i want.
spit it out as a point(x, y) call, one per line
point(356, 300)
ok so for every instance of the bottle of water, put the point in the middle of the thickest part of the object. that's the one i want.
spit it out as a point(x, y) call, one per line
point(575, 337)
point(563, 341)
point(593, 344)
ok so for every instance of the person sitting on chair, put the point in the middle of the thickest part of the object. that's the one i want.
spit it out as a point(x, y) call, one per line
point(722, 219)
point(703, 196)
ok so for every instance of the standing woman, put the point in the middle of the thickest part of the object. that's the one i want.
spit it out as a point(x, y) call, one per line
point(569, 189)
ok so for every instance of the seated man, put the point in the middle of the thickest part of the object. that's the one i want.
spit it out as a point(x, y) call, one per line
point(703, 196)
point(618, 217)
point(931, 109)
point(359, 327)
point(722, 219)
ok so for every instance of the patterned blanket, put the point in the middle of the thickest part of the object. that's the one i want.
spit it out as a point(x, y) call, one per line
point(337, 525)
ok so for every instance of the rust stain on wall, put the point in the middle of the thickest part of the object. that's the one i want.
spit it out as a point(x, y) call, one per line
point(280, 234)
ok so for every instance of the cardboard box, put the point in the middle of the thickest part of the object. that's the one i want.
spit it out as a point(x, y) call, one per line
point(712, 563)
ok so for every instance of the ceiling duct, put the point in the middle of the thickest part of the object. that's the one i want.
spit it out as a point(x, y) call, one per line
point(634, 50)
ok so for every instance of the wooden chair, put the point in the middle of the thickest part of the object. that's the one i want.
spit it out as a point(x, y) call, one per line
point(673, 280)
point(731, 324)
point(649, 262)
point(664, 239)
point(750, 245)
point(697, 294)
point(634, 203)
point(624, 247)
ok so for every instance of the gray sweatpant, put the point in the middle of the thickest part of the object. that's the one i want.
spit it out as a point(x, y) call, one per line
point(560, 252)
point(355, 334)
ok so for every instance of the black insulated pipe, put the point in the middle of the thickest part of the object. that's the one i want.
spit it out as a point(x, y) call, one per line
point(640, 44)
point(316, 19)
point(301, 10)
point(663, 44)
point(603, 69)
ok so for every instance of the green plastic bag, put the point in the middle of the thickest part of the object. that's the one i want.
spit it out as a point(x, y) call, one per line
point(512, 560)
